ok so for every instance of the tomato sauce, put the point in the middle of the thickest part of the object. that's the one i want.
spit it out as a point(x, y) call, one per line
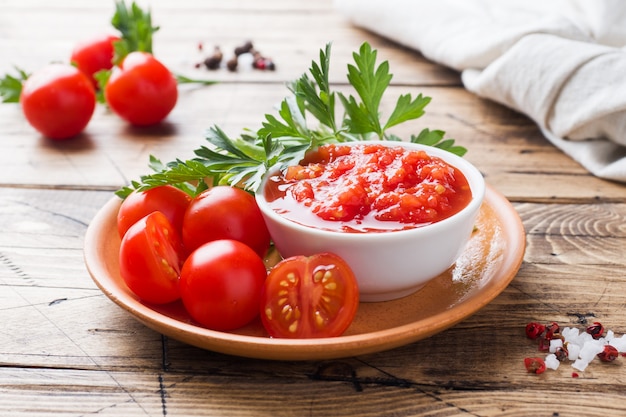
point(368, 188)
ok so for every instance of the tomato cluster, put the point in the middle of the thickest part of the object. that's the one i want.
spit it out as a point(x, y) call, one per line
point(59, 99)
point(208, 251)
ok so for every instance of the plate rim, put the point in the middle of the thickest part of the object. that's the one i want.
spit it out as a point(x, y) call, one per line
point(307, 349)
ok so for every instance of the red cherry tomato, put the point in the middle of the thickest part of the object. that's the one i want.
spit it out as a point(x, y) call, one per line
point(220, 284)
point(151, 255)
point(225, 212)
point(58, 101)
point(141, 90)
point(93, 55)
point(309, 297)
point(167, 199)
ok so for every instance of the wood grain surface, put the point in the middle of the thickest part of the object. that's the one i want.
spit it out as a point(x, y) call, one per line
point(67, 350)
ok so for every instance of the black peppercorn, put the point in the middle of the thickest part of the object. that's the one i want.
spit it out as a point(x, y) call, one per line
point(232, 64)
point(213, 62)
point(246, 47)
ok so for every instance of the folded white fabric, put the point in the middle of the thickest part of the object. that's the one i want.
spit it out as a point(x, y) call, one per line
point(561, 62)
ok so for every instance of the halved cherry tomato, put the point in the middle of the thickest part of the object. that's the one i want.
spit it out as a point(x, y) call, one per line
point(93, 55)
point(309, 297)
point(151, 255)
point(225, 212)
point(58, 101)
point(220, 284)
point(141, 90)
point(167, 199)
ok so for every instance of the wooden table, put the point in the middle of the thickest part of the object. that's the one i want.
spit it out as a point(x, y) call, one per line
point(67, 350)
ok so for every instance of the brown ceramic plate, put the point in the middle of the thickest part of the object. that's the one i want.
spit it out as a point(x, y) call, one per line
point(488, 264)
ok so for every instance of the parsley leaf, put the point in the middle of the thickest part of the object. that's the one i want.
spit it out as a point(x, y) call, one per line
point(370, 83)
point(321, 105)
point(11, 86)
point(284, 138)
point(435, 138)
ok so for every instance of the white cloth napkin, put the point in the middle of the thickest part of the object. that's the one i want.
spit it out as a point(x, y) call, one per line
point(561, 62)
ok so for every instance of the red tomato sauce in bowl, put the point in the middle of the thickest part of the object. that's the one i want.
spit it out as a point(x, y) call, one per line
point(368, 188)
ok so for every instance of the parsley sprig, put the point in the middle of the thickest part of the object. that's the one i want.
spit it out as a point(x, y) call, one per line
point(283, 139)
point(135, 27)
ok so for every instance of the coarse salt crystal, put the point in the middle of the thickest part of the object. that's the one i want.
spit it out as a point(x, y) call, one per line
point(580, 364)
point(573, 350)
point(555, 344)
point(590, 349)
point(552, 362)
point(570, 334)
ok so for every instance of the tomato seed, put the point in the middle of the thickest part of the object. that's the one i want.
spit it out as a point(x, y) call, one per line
point(319, 320)
point(293, 327)
point(331, 286)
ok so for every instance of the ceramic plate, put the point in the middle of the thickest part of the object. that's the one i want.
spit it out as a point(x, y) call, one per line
point(485, 268)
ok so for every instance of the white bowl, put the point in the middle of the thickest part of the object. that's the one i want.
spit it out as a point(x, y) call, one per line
point(387, 265)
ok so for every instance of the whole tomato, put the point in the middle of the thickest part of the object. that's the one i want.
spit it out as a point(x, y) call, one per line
point(141, 90)
point(224, 212)
point(220, 284)
point(167, 199)
point(93, 55)
point(58, 101)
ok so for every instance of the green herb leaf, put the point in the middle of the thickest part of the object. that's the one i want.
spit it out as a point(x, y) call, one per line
point(102, 77)
point(435, 138)
point(316, 97)
point(182, 79)
point(11, 86)
point(407, 109)
point(370, 82)
point(135, 26)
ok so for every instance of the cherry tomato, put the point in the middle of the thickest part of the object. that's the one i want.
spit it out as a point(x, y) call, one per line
point(220, 284)
point(93, 55)
point(58, 101)
point(141, 90)
point(225, 212)
point(167, 199)
point(151, 255)
point(309, 297)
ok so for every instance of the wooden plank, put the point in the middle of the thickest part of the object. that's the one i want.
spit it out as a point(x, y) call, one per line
point(507, 148)
point(150, 394)
point(214, 23)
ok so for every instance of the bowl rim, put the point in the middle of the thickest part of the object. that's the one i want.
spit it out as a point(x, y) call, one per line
point(474, 178)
